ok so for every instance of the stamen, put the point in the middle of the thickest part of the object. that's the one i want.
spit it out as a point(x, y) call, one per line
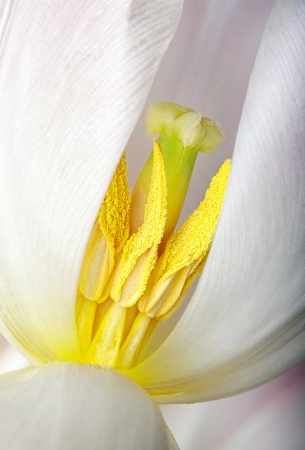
point(100, 313)
point(192, 275)
point(137, 270)
point(186, 249)
point(140, 252)
point(97, 265)
point(109, 234)
point(107, 341)
point(131, 347)
point(85, 324)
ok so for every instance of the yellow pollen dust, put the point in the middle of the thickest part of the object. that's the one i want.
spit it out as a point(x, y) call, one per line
point(110, 232)
point(193, 239)
point(140, 252)
point(126, 286)
point(113, 217)
point(185, 251)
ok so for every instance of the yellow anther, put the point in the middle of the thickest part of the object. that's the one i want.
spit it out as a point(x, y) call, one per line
point(140, 252)
point(193, 273)
point(186, 249)
point(113, 217)
point(160, 297)
point(109, 234)
point(193, 239)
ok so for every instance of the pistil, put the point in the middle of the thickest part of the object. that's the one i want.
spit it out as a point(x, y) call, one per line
point(137, 269)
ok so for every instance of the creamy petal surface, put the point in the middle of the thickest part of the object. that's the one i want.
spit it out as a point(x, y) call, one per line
point(74, 76)
point(245, 322)
point(73, 406)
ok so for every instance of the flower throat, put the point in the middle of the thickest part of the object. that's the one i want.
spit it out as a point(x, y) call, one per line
point(137, 269)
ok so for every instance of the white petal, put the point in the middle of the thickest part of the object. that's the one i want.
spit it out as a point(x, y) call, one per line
point(270, 417)
point(69, 406)
point(74, 77)
point(245, 323)
point(207, 67)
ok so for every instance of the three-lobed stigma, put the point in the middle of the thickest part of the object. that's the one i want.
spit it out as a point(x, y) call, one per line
point(137, 269)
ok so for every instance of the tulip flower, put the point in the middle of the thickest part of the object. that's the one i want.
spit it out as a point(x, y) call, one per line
point(73, 80)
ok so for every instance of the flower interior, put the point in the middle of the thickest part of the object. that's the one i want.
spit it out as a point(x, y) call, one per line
point(137, 269)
